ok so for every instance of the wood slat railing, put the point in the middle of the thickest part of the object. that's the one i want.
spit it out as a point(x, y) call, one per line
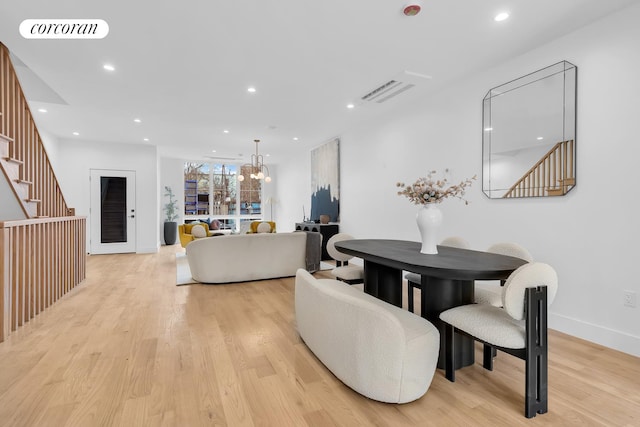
point(553, 175)
point(16, 122)
point(40, 261)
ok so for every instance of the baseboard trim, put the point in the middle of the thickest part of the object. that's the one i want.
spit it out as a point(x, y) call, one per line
point(607, 337)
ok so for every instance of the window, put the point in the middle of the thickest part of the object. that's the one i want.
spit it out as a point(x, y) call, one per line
point(196, 189)
point(213, 190)
point(224, 189)
point(250, 194)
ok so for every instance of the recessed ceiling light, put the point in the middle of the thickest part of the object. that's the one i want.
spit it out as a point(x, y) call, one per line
point(225, 131)
point(42, 110)
point(251, 89)
point(146, 139)
point(540, 138)
point(137, 120)
point(295, 138)
point(501, 16)
point(350, 106)
point(488, 129)
point(213, 151)
point(109, 67)
point(76, 133)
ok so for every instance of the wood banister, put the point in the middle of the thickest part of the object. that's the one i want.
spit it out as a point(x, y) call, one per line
point(41, 259)
point(16, 123)
point(552, 175)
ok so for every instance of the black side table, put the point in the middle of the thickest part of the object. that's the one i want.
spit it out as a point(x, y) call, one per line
point(327, 230)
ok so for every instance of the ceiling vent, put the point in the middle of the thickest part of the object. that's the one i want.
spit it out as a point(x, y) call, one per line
point(403, 82)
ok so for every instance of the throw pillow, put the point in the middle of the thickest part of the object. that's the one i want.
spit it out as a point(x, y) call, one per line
point(189, 226)
point(198, 231)
point(215, 225)
point(264, 227)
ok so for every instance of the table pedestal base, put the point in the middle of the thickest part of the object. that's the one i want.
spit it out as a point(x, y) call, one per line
point(438, 295)
point(383, 282)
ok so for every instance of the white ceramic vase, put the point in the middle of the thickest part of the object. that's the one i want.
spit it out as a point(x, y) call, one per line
point(429, 219)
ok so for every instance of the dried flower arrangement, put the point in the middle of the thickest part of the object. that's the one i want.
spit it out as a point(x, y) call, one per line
point(430, 190)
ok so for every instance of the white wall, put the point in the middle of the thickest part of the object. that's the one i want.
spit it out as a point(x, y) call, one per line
point(171, 175)
point(72, 160)
point(589, 235)
point(293, 189)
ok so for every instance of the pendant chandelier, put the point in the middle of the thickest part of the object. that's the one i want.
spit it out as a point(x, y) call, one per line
point(257, 167)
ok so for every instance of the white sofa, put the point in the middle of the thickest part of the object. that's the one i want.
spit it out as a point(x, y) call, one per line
point(381, 351)
point(246, 257)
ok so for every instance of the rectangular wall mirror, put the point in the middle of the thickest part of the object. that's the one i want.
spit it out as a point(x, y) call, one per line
point(529, 135)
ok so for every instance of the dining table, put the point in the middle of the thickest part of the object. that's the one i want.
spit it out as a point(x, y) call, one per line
point(447, 279)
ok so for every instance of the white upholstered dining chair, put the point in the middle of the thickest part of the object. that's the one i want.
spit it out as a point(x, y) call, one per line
point(518, 328)
point(490, 291)
point(344, 271)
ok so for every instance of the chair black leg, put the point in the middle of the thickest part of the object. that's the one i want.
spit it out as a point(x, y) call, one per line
point(536, 360)
point(410, 288)
point(536, 399)
point(487, 357)
point(449, 354)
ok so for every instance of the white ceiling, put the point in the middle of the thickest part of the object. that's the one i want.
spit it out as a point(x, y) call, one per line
point(183, 68)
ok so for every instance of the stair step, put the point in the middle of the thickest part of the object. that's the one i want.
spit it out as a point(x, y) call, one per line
point(555, 192)
point(569, 181)
point(6, 138)
point(12, 160)
point(11, 169)
point(33, 200)
point(22, 181)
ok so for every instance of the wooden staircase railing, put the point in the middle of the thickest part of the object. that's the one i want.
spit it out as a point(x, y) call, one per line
point(43, 256)
point(553, 175)
point(36, 185)
point(40, 261)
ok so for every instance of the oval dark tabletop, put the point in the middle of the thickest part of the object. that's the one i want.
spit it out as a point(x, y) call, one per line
point(449, 262)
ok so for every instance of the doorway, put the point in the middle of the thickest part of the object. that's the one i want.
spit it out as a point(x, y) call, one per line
point(113, 211)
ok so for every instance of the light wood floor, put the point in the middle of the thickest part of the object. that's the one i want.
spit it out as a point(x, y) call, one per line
point(129, 348)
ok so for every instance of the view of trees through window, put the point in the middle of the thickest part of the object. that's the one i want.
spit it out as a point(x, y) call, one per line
point(196, 188)
point(213, 190)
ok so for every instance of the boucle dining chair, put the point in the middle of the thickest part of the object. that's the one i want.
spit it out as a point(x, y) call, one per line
point(490, 291)
point(348, 273)
point(413, 279)
point(518, 328)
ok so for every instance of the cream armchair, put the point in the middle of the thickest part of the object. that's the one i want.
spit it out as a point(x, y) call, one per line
point(518, 328)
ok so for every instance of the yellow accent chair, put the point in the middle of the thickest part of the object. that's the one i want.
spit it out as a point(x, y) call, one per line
point(256, 227)
point(184, 231)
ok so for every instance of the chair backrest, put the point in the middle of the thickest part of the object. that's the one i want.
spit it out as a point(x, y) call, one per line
point(333, 252)
point(529, 275)
point(511, 249)
point(186, 228)
point(456, 242)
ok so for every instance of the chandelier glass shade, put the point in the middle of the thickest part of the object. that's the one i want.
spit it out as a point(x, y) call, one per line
point(257, 169)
